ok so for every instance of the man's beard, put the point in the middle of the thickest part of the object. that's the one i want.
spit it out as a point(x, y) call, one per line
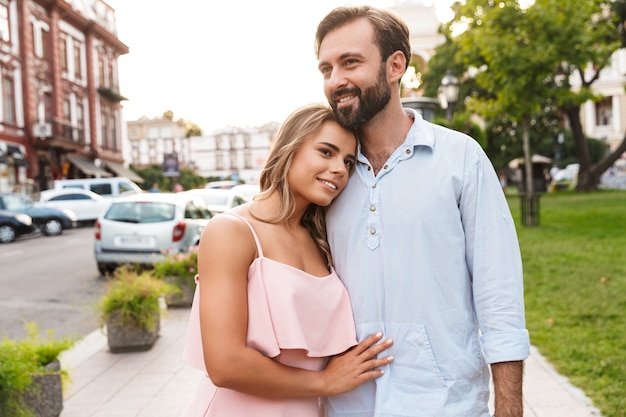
point(372, 101)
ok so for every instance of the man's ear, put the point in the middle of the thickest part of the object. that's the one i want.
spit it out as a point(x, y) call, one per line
point(396, 66)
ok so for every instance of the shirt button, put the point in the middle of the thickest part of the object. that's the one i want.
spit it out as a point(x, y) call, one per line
point(408, 151)
point(369, 168)
point(372, 208)
point(385, 167)
point(373, 185)
point(372, 231)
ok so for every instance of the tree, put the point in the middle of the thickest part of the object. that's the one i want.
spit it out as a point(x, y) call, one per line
point(510, 66)
point(191, 129)
point(526, 59)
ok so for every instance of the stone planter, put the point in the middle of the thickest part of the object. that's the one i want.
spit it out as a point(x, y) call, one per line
point(184, 298)
point(45, 395)
point(124, 337)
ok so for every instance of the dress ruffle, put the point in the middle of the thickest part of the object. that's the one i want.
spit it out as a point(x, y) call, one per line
point(287, 309)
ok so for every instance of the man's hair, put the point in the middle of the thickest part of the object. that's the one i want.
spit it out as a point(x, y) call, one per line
point(391, 33)
point(297, 128)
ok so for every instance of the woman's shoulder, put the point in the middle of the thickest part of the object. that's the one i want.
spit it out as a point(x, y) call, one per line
point(229, 229)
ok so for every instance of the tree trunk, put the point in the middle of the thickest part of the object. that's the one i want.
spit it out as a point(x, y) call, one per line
point(589, 175)
point(529, 201)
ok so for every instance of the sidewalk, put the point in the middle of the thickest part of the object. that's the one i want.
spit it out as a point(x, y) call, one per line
point(157, 383)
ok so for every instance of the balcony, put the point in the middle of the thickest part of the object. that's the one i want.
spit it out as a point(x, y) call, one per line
point(65, 131)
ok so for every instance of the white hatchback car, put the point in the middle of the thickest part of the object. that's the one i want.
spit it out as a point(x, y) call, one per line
point(85, 204)
point(141, 229)
point(219, 200)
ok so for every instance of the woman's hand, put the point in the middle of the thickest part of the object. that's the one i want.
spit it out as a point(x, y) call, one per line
point(357, 365)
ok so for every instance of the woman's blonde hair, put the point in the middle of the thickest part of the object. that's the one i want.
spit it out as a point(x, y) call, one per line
point(296, 129)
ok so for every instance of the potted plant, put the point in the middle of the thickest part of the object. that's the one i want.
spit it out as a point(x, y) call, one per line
point(130, 309)
point(179, 269)
point(31, 378)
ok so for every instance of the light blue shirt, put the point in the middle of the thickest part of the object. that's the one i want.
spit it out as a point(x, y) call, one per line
point(429, 254)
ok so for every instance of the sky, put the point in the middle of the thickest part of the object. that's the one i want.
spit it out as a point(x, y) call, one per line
point(220, 63)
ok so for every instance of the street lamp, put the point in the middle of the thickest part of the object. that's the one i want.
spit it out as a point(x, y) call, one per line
point(449, 93)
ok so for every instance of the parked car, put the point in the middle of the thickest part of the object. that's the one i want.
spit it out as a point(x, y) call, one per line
point(110, 187)
point(85, 204)
point(224, 185)
point(248, 190)
point(13, 225)
point(566, 178)
point(141, 229)
point(50, 221)
point(218, 199)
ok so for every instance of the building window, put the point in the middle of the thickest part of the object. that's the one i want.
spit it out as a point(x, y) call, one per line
point(101, 70)
point(5, 34)
point(247, 159)
point(104, 122)
point(77, 67)
point(67, 108)
point(47, 106)
point(604, 112)
point(8, 100)
point(41, 40)
point(63, 52)
point(112, 124)
point(80, 120)
point(218, 143)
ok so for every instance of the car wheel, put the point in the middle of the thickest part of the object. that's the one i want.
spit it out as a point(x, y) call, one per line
point(52, 227)
point(7, 234)
point(106, 269)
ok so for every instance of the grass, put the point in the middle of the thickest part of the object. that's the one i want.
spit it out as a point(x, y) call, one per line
point(575, 288)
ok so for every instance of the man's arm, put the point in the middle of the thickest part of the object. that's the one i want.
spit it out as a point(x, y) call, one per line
point(507, 382)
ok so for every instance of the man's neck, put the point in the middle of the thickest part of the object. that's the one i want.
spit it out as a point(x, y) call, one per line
point(382, 135)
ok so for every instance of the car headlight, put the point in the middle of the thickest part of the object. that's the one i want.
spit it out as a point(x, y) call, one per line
point(24, 218)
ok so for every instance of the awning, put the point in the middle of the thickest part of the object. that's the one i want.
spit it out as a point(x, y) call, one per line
point(535, 159)
point(87, 166)
point(12, 153)
point(121, 171)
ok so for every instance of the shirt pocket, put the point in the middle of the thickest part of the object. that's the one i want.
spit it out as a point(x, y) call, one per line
point(413, 384)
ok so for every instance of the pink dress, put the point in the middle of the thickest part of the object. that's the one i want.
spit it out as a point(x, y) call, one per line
point(293, 317)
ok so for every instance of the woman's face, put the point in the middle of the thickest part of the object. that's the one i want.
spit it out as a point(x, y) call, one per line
point(321, 167)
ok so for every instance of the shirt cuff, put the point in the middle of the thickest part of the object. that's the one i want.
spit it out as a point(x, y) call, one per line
point(506, 346)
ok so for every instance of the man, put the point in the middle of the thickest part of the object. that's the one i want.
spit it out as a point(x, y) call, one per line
point(422, 238)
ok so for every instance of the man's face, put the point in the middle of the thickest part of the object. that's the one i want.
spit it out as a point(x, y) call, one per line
point(355, 78)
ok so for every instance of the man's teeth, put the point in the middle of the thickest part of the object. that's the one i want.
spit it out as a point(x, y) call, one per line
point(344, 99)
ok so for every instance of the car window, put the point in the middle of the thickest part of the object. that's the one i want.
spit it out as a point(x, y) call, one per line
point(15, 202)
point(102, 188)
point(141, 212)
point(124, 187)
point(73, 186)
point(70, 197)
point(195, 211)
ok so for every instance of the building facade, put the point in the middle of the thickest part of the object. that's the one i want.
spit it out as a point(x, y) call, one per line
point(235, 153)
point(60, 113)
point(151, 139)
point(605, 119)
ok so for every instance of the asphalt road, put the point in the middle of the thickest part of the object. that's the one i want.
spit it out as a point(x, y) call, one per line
point(51, 280)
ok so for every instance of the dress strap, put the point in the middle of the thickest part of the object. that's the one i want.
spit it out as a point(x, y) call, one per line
point(256, 238)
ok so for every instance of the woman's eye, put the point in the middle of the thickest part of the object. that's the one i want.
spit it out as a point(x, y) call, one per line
point(325, 152)
point(349, 163)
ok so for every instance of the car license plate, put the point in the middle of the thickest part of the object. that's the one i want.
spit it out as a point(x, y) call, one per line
point(135, 241)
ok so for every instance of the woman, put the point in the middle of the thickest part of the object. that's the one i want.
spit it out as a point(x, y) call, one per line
point(269, 308)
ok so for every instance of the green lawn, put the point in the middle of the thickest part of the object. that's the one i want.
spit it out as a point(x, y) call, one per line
point(575, 283)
